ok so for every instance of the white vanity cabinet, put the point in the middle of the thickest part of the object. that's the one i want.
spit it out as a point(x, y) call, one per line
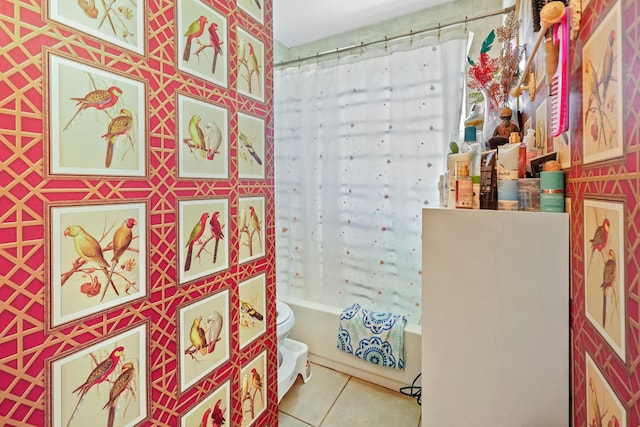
point(495, 319)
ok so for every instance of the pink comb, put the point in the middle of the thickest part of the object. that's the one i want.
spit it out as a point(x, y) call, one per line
point(559, 87)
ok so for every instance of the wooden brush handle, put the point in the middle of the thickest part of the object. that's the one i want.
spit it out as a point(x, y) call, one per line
point(551, 52)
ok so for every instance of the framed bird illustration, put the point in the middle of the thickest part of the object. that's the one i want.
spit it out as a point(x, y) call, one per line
point(104, 384)
point(97, 259)
point(253, 389)
point(250, 52)
point(604, 270)
point(201, 38)
point(253, 8)
point(97, 121)
point(120, 22)
point(203, 139)
point(211, 411)
point(251, 236)
point(253, 308)
point(251, 147)
point(602, 90)
point(203, 337)
point(604, 407)
point(203, 248)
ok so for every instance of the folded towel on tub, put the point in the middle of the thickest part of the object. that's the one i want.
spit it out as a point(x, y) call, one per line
point(375, 337)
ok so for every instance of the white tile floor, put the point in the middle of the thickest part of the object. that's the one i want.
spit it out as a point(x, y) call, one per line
point(334, 399)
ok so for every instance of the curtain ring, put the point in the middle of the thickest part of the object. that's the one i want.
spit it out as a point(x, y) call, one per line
point(438, 31)
point(338, 53)
point(465, 24)
point(317, 58)
point(361, 48)
point(411, 37)
point(385, 43)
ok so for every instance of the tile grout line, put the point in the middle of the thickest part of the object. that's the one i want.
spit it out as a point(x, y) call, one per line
point(334, 402)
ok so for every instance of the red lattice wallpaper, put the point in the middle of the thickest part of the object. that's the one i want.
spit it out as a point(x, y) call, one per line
point(31, 343)
point(615, 180)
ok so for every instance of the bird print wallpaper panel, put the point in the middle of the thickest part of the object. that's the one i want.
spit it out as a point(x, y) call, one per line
point(203, 139)
point(251, 147)
point(203, 337)
point(97, 259)
point(604, 270)
point(97, 121)
point(202, 248)
point(253, 8)
point(202, 41)
point(253, 396)
point(250, 225)
point(104, 384)
point(602, 90)
point(120, 22)
point(212, 411)
point(603, 406)
point(251, 66)
point(253, 309)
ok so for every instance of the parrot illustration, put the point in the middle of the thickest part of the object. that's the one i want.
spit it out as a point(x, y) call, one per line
point(119, 386)
point(217, 45)
point(89, 8)
point(255, 66)
point(607, 63)
point(600, 239)
point(118, 126)
point(197, 136)
point(257, 382)
point(217, 416)
point(255, 223)
point(99, 374)
point(88, 248)
point(214, 326)
point(214, 140)
point(195, 235)
point(592, 84)
point(241, 50)
point(121, 241)
point(608, 279)
point(205, 418)
point(613, 422)
point(245, 388)
point(596, 407)
point(99, 99)
point(195, 30)
point(246, 144)
point(216, 232)
point(197, 337)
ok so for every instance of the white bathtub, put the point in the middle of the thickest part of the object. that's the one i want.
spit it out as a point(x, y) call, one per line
point(317, 326)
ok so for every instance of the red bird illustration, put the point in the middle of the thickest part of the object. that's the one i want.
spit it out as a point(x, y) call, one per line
point(217, 416)
point(118, 126)
point(195, 235)
point(99, 374)
point(196, 28)
point(88, 248)
point(217, 45)
point(608, 279)
point(257, 382)
point(600, 239)
point(216, 232)
point(121, 241)
point(255, 223)
point(99, 99)
point(205, 418)
point(119, 386)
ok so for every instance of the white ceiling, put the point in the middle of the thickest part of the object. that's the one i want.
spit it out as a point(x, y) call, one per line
point(296, 22)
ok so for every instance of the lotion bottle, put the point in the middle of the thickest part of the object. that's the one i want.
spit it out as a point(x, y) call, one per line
point(464, 189)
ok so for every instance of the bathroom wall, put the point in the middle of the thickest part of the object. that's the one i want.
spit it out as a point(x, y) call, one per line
point(53, 336)
point(602, 183)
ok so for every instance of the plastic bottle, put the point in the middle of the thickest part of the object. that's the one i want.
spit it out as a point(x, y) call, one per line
point(464, 189)
point(530, 144)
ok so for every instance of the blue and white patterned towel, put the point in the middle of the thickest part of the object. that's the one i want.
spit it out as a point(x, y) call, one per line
point(375, 337)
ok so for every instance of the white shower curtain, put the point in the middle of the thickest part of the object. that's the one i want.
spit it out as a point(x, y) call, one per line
point(360, 143)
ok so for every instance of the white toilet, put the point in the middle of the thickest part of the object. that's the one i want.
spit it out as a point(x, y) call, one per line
point(293, 356)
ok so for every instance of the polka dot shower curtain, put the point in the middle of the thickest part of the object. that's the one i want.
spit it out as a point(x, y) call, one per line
point(360, 142)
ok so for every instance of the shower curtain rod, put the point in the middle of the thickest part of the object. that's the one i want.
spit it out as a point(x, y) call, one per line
point(400, 36)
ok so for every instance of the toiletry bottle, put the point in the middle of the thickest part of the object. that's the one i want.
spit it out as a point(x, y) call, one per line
point(464, 189)
point(532, 152)
point(522, 154)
